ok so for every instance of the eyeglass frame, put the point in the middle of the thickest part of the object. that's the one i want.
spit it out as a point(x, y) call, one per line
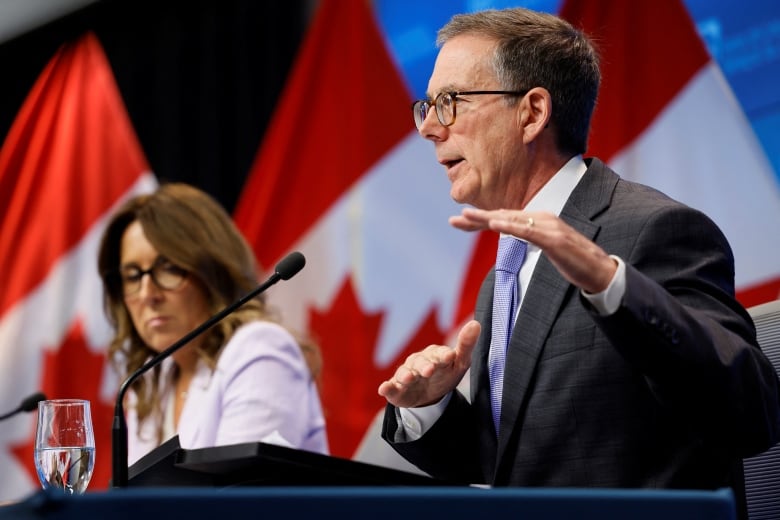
point(159, 263)
point(416, 105)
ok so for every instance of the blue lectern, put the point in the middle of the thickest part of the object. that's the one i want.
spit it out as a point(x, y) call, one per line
point(384, 503)
point(258, 480)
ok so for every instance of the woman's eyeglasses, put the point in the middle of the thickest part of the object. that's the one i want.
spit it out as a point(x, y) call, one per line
point(165, 275)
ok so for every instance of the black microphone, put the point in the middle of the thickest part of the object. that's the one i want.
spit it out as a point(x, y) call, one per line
point(285, 269)
point(28, 404)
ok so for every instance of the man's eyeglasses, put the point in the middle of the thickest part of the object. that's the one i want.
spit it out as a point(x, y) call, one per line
point(445, 104)
point(164, 274)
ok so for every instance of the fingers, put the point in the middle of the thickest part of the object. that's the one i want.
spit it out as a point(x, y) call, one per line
point(428, 375)
point(467, 338)
point(388, 390)
point(466, 224)
point(522, 224)
point(425, 363)
point(417, 368)
point(576, 257)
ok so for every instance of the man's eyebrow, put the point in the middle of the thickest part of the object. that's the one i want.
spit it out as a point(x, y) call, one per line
point(450, 87)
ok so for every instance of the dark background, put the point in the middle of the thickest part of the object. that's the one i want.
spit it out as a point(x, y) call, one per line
point(199, 78)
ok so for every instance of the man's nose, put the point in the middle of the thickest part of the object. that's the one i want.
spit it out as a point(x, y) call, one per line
point(431, 127)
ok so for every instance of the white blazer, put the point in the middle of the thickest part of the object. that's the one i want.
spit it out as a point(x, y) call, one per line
point(260, 390)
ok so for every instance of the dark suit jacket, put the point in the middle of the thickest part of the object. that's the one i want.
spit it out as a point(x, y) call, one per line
point(671, 391)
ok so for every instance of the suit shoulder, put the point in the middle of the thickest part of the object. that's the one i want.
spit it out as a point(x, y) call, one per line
point(259, 339)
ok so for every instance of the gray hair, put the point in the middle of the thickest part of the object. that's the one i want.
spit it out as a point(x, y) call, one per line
point(536, 49)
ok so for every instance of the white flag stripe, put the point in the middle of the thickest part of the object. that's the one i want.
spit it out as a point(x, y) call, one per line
point(391, 232)
point(702, 151)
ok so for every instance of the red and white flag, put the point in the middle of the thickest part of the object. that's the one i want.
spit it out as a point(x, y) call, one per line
point(666, 117)
point(70, 156)
point(343, 177)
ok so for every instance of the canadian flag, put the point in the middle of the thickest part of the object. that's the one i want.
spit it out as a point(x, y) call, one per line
point(666, 117)
point(70, 156)
point(343, 177)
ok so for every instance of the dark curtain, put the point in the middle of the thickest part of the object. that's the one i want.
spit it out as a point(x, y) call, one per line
point(199, 78)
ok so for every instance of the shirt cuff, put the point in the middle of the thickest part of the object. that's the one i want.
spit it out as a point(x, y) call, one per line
point(608, 301)
point(416, 421)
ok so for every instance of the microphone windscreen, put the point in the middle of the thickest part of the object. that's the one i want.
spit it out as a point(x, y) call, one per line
point(31, 403)
point(290, 265)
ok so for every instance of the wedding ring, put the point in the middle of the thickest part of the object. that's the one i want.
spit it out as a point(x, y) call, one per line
point(530, 222)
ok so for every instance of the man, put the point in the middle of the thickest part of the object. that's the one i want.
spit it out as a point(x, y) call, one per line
point(630, 363)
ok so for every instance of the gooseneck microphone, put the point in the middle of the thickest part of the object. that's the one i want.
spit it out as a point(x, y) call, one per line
point(28, 404)
point(285, 269)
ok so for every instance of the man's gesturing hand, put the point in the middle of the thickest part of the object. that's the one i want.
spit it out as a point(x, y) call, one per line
point(428, 375)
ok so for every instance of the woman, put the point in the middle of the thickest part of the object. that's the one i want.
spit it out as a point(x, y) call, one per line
point(170, 260)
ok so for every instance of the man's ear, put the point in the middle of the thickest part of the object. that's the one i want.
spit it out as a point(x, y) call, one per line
point(534, 113)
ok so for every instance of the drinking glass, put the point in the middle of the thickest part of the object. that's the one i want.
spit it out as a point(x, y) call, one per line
point(64, 445)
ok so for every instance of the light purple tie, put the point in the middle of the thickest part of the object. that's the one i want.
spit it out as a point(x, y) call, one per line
point(506, 295)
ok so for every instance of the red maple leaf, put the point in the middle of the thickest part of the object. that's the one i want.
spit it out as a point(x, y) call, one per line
point(73, 371)
point(347, 337)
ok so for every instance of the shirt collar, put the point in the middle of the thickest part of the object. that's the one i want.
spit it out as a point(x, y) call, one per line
point(554, 194)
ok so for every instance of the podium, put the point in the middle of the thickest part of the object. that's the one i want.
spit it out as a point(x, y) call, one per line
point(260, 464)
point(258, 480)
point(376, 503)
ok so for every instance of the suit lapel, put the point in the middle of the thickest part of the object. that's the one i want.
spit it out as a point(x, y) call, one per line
point(480, 384)
point(548, 291)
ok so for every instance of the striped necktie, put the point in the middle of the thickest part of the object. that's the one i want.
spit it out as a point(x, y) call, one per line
point(506, 296)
